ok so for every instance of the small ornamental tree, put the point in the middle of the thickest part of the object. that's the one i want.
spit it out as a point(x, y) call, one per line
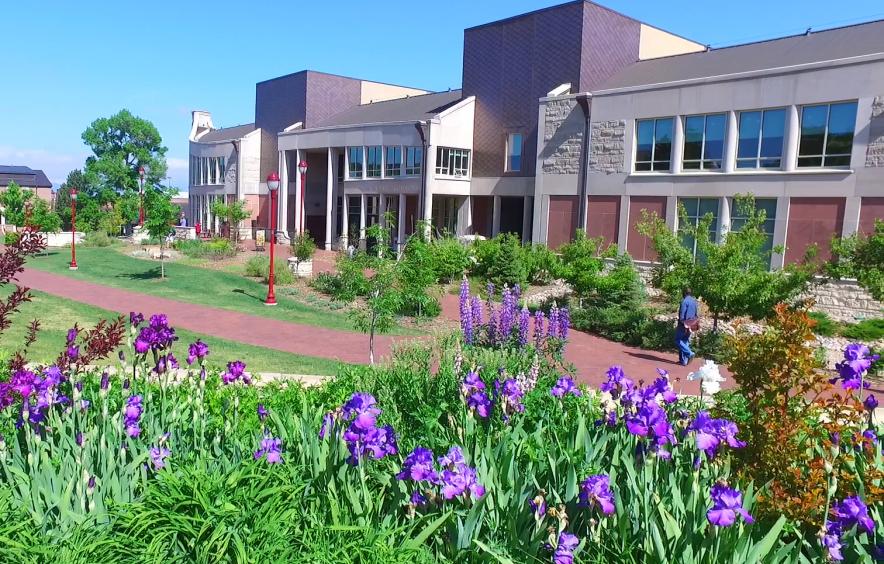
point(416, 273)
point(160, 214)
point(733, 277)
point(860, 257)
point(234, 212)
point(377, 313)
point(14, 200)
point(583, 262)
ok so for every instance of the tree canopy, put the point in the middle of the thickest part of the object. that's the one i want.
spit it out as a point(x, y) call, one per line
point(860, 257)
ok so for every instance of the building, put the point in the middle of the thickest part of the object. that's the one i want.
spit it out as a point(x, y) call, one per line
point(575, 117)
point(27, 178)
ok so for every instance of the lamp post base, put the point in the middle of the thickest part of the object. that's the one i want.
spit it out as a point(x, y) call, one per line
point(269, 303)
point(73, 267)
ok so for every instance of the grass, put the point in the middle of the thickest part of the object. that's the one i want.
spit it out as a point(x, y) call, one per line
point(57, 315)
point(191, 284)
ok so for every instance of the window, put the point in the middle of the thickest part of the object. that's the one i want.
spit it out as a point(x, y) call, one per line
point(696, 209)
point(354, 162)
point(760, 143)
point(414, 157)
point(207, 170)
point(373, 161)
point(354, 216)
point(653, 144)
point(393, 164)
point(514, 152)
point(826, 135)
point(769, 205)
point(452, 162)
point(703, 142)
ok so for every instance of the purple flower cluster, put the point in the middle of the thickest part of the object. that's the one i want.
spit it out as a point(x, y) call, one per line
point(454, 477)
point(509, 395)
point(472, 390)
point(564, 386)
point(565, 546)
point(595, 491)
point(156, 336)
point(236, 370)
point(270, 450)
point(466, 317)
point(617, 383)
point(649, 420)
point(197, 351)
point(37, 393)
point(727, 503)
point(712, 433)
point(846, 514)
point(538, 506)
point(362, 434)
point(851, 371)
point(72, 351)
point(158, 456)
point(132, 415)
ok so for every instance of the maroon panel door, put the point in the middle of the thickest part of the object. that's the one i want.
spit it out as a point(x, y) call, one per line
point(813, 221)
point(870, 210)
point(410, 214)
point(637, 245)
point(482, 207)
point(603, 217)
point(562, 220)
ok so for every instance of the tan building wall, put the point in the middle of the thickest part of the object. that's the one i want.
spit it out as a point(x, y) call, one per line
point(377, 92)
point(654, 43)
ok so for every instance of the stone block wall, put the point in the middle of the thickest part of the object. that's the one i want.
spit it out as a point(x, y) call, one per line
point(875, 150)
point(607, 150)
point(562, 137)
point(845, 300)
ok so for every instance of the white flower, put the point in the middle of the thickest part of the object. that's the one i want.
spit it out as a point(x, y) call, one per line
point(709, 376)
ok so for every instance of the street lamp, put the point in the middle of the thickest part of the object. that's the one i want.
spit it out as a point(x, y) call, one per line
point(141, 195)
point(302, 168)
point(73, 229)
point(273, 186)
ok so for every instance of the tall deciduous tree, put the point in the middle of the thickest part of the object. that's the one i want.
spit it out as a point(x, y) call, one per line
point(121, 144)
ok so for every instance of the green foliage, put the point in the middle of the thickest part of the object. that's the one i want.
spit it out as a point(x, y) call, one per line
point(97, 239)
point(346, 284)
point(449, 258)
point(160, 214)
point(733, 277)
point(377, 314)
point(234, 212)
point(862, 258)
point(583, 261)
point(500, 260)
point(44, 218)
point(11, 237)
point(214, 249)
point(866, 331)
point(13, 200)
point(541, 264)
point(303, 246)
point(259, 267)
point(825, 325)
point(416, 271)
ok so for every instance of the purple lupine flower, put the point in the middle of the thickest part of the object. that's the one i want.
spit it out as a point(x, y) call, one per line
point(552, 329)
point(831, 541)
point(132, 414)
point(852, 511)
point(712, 433)
point(262, 412)
point(158, 455)
point(564, 386)
point(650, 421)
point(871, 402)
point(197, 351)
point(270, 450)
point(476, 311)
point(419, 466)
point(507, 314)
point(524, 319)
point(727, 503)
point(595, 491)
point(235, 371)
point(565, 546)
point(517, 294)
point(617, 383)
point(466, 314)
point(538, 329)
point(564, 323)
point(491, 326)
point(510, 397)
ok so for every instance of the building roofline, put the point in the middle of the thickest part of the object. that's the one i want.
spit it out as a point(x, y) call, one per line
point(306, 71)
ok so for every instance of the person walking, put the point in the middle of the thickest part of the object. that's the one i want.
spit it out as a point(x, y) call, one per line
point(688, 322)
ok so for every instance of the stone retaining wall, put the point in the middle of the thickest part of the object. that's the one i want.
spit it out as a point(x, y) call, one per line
point(845, 300)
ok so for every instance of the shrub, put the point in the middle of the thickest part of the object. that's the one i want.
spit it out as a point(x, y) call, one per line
point(711, 345)
point(97, 239)
point(215, 249)
point(348, 283)
point(11, 237)
point(500, 260)
point(259, 267)
point(825, 325)
point(583, 262)
point(449, 258)
point(303, 246)
point(867, 330)
point(415, 273)
point(862, 258)
point(541, 264)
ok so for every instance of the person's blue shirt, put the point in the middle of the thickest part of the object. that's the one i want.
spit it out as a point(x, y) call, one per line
point(688, 309)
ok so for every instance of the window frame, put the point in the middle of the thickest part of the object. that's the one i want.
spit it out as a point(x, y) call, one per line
point(509, 144)
point(654, 160)
point(374, 170)
point(758, 158)
point(736, 217)
point(396, 171)
point(453, 162)
point(703, 160)
point(415, 168)
point(823, 156)
point(715, 228)
point(351, 172)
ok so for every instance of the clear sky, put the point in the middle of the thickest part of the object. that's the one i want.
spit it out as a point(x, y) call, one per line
point(65, 63)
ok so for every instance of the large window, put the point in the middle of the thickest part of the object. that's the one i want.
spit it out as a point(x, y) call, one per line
point(354, 162)
point(769, 205)
point(653, 144)
point(207, 170)
point(826, 135)
point(514, 152)
point(452, 162)
point(414, 157)
point(761, 139)
point(393, 164)
point(696, 209)
point(704, 142)
point(373, 161)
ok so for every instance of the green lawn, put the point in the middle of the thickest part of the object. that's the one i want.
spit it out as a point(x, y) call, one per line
point(57, 315)
point(226, 290)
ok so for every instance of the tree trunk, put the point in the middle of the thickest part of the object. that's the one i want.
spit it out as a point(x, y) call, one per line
point(162, 261)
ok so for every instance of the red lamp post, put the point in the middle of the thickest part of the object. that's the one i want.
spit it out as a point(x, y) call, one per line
point(273, 186)
point(73, 229)
point(141, 195)
point(302, 168)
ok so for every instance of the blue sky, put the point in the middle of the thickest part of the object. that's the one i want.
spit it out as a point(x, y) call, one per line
point(67, 63)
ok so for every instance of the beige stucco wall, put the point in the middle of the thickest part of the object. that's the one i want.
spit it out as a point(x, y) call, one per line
point(655, 43)
point(376, 92)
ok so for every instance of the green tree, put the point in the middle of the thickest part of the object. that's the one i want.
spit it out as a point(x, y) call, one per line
point(234, 212)
point(733, 277)
point(89, 210)
point(14, 200)
point(160, 214)
point(121, 144)
point(416, 273)
point(860, 257)
point(377, 313)
point(43, 217)
point(582, 262)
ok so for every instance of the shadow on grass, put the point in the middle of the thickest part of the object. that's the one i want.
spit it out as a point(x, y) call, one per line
point(249, 294)
point(152, 274)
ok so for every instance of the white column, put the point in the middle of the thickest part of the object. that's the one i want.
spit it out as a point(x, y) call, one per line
point(329, 199)
point(730, 143)
point(793, 132)
point(283, 209)
point(672, 212)
point(495, 217)
point(623, 224)
point(851, 216)
point(466, 216)
point(400, 223)
point(430, 163)
point(345, 221)
point(527, 210)
point(677, 144)
point(724, 217)
point(298, 189)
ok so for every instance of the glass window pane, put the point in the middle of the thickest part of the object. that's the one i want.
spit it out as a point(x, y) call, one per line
point(842, 118)
point(708, 205)
point(713, 145)
point(693, 137)
point(690, 206)
point(750, 126)
point(644, 141)
point(813, 130)
point(772, 135)
point(662, 144)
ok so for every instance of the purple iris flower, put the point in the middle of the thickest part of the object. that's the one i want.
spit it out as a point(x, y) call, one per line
point(78, 438)
point(660, 390)
point(564, 553)
point(852, 511)
point(142, 345)
point(857, 361)
point(712, 433)
point(650, 421)
point(135, 319)
point(270, 450)
point(363, 436)
point(617, 382)
point(419, 466)
point(158, 455)
point(727, 503)
point(870, 435)
point(831, 541)
point(871, 402)
point(417, 498)
point(473, 392)
point(595, 491)
point(453, 457)
point(461, 480)
point(132, 414)
point(197, 351)
point(564, 386)
point(538, 507)
point(235, 371)
point(510, 395)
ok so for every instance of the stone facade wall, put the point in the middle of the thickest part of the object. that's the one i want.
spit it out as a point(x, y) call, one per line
point(562, 137)
point(845, 300)
point(607, 150)
point(875, 151)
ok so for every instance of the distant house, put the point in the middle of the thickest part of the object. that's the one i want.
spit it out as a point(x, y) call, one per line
point(27, 178)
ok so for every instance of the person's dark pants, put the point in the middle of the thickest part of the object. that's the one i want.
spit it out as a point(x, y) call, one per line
point(683, 342)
